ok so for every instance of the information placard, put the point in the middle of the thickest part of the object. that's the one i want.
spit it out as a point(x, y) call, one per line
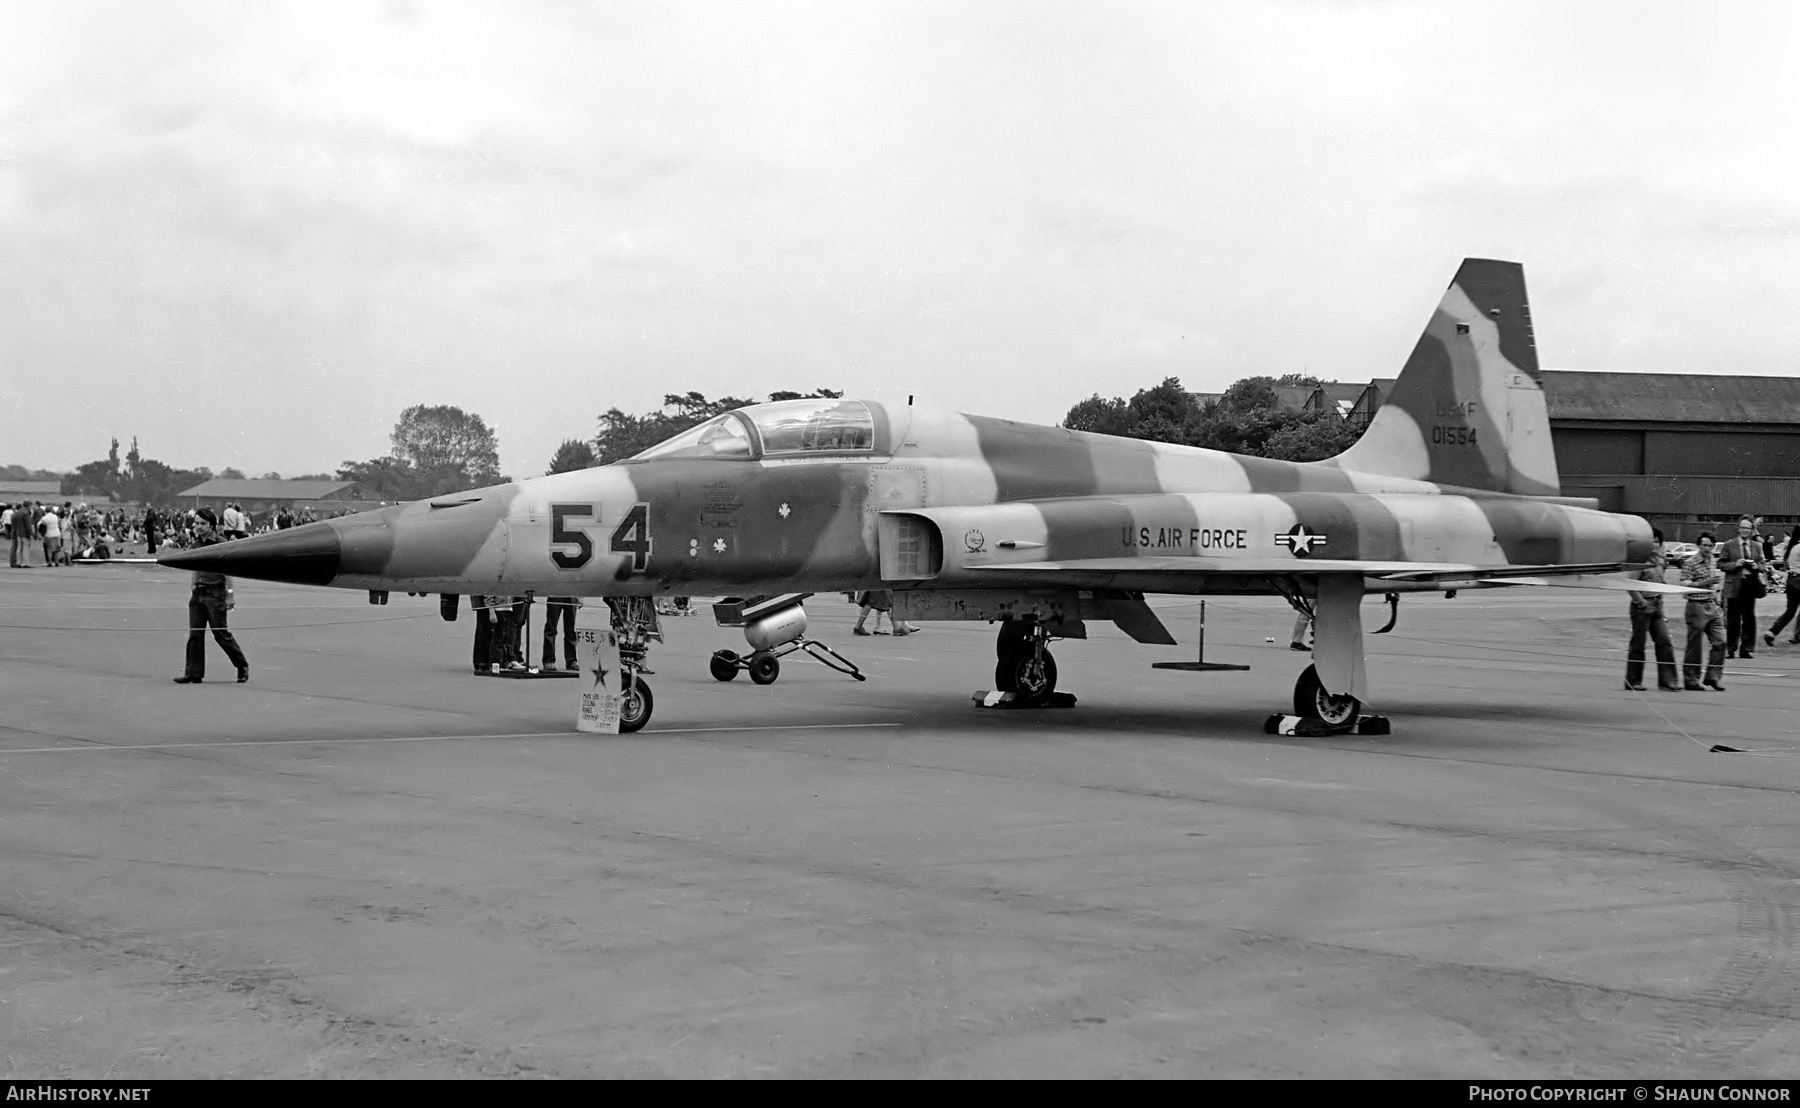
point(597, 650)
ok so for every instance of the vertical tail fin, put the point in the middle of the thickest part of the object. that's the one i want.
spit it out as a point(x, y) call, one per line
point(1468, 408)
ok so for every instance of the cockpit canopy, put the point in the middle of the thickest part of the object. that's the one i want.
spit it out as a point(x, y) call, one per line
point(785, 429)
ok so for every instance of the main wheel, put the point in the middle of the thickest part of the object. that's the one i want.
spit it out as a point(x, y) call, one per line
point(1027, 673)
point(1311, 701)
point(724, 664)
point(764, 668)
point(635, 707)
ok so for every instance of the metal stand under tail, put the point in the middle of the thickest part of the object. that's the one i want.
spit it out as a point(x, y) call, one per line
point(1199, 664)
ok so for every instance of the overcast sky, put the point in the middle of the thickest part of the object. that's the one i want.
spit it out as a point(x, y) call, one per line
point(251, 234)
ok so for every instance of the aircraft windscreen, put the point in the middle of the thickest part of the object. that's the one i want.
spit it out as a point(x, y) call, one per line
point(814, 426)
point(723, 437)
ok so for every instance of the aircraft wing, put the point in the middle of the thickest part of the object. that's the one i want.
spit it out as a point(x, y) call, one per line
point(1592, 581)
point(1241, 567)
point(1153, 574)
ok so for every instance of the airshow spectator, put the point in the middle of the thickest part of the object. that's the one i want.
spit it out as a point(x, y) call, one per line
point(515, 632)
point(50, 530)
point(207, 606)
point(1790, 560)
point(879, 601)
point(1647, 619)
point(1701, 571)
point(1741, 561)
point(21, 532)
point(236, 524)
point(559, 608)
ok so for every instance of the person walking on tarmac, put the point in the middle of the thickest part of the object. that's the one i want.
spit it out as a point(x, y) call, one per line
point(1789, 560)
point(1647, 619)
point(1704, 617)
point(206, 607)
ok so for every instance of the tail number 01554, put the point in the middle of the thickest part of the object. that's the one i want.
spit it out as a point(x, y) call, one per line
point(631, 536)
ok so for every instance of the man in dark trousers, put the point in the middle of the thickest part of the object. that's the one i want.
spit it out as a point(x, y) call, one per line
point(1647, 621)
point(484, 631)
point(1705, 635)
point(559, 608)
point(1741, 561)
point(206, 607)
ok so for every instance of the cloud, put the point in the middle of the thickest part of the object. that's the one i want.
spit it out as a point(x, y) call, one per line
point(260, 231)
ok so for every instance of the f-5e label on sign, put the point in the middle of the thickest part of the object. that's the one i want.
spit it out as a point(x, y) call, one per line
point(631, 536)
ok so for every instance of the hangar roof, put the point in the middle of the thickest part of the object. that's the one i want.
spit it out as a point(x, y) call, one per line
point(1671, 397)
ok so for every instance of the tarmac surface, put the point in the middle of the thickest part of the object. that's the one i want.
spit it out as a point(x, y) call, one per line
point(367, 862)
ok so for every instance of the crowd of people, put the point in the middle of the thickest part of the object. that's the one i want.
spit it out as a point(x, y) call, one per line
point(69, 531)
point(62, 532)
point(1721, 618)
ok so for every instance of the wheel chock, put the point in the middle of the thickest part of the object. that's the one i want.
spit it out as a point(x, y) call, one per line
point(1303, 727)
point(985, 699)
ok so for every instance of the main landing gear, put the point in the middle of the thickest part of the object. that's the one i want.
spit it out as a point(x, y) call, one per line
point(1025, 667)
point(1313, 703)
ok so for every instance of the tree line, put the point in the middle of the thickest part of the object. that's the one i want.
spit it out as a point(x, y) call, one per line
point(1247, 419)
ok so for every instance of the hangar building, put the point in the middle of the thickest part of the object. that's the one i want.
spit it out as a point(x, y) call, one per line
point(261, 497)
point(1688, 452)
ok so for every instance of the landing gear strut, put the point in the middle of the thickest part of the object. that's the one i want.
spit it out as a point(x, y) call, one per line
point(1025, 667)
point(634, 618)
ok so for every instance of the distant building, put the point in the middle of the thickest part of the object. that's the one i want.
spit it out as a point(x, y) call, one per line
point(49, 492)
point(1334, 398)
point(1371, 397)
point(261, 497)
point(1688, 452)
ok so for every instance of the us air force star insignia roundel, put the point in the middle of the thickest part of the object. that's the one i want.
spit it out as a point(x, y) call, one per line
point(1300, 540)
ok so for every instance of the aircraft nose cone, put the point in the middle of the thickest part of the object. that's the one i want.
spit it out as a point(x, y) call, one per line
point(308, 555)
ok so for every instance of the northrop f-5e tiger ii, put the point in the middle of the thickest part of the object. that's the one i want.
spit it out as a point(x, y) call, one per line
point(1040, 529)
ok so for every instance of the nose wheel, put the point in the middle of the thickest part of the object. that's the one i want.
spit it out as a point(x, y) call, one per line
point(635, 706)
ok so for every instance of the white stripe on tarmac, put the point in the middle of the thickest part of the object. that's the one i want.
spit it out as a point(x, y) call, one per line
point(227, 744)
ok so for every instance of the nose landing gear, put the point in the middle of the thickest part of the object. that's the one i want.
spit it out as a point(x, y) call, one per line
point(635, 621)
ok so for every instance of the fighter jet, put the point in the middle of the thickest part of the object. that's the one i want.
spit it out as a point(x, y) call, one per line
point(1038, 529)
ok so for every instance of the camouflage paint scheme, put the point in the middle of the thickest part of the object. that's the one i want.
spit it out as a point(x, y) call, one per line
point(1453, 485)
